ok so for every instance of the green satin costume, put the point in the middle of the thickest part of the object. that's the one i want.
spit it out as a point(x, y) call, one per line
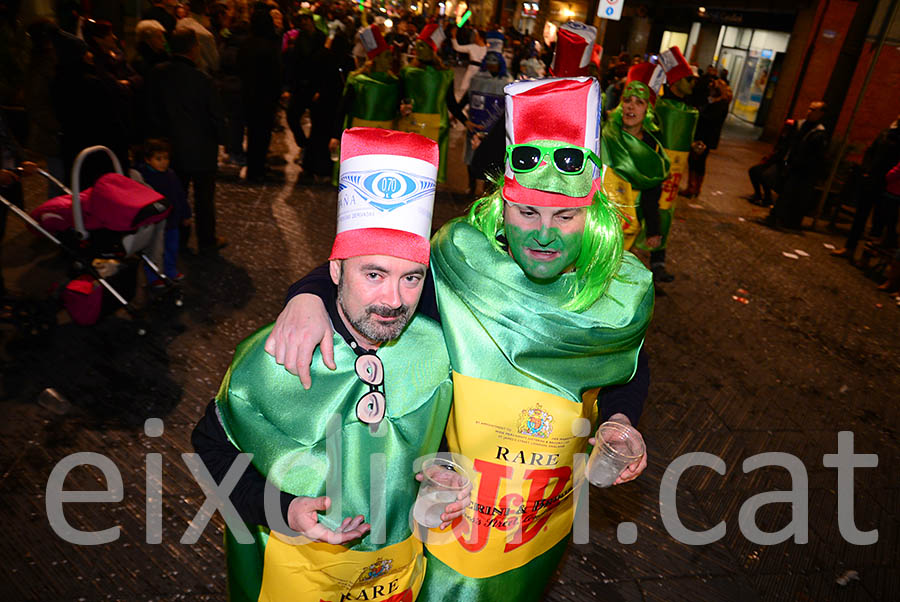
point(428, 88)
point(376, 97)
point(501, 327)
point(267, 412)
point(638, 165)
point(678, 121)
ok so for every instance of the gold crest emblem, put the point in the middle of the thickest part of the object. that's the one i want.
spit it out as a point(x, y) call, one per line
point(536, 422)
point(375, 570)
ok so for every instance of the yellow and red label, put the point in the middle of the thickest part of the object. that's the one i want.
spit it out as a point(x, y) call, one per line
point(301, 570)
point(677, 172)
point(521, 444)
point(624, 198)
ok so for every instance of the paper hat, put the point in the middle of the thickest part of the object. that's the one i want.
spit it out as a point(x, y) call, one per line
point(494, 41)
point(574, 45)
point(432, 35)
point(651, 76)
point(385, 194)
point(565, 110)
point(373, 41)
point(675, 65)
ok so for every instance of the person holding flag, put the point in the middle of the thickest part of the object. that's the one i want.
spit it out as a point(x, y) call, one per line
point(637, 163)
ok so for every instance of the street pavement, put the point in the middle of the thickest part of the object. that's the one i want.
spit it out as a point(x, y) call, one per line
point(814, 352)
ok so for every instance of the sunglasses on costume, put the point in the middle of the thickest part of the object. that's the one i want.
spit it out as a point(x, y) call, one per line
point(568, 160)
point(371, 406)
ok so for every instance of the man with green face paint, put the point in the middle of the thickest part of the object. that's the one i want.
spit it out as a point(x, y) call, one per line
point(540, 310)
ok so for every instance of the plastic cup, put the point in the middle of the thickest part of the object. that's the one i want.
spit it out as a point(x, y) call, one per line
point(443, 482)
point(617, 446)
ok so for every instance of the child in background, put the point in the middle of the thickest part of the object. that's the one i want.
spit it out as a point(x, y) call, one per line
point(158, 176)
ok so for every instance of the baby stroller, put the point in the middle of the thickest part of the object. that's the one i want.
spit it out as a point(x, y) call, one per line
point(107, 230)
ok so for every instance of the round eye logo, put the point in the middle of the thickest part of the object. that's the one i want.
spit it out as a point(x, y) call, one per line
point(389, 185)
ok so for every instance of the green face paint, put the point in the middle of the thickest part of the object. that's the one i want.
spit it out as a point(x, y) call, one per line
point(543, 253)
point(547, 178)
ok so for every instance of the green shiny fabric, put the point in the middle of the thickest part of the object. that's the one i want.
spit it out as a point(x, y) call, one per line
point(521, 334)
point(376, 98)
point(642, 166)
point(266, 412)
point(678, 121)
point(443, 583)
point(244, 569)
point(501, 326)
point(428, 87)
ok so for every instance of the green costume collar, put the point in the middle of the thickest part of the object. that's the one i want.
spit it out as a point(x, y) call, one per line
point(642, 166)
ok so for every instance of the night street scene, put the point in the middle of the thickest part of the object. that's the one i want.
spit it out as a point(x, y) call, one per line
point(588, 300)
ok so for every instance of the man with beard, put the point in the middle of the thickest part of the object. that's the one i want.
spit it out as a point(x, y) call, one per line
point(386, 407)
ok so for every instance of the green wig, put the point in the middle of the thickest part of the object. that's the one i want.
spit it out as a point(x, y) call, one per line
point(601, 245)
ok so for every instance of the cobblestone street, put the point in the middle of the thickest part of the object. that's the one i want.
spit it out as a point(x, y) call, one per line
point(814, 352)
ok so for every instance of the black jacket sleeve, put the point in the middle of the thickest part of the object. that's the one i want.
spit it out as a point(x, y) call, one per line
point(456, 108)
point(318, 283)
point(650, 209)
point(627, 398)
point(217, 452)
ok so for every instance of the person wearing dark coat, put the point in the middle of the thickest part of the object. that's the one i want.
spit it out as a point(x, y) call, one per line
point(707, 134)
point(90, 110)
point(259, 66)
point(151, 47)
point(802, 164)
point(882, 155)
point(185, 108)
point(331, 68)
point(299, 73)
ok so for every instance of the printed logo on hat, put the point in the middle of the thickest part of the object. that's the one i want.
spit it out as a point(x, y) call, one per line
point(367, 195)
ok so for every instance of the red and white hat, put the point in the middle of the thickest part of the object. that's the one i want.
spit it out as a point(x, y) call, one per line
point(675, 65)
point(432, 35)
point(652, 76)
point(563, 110)
point(385, 194)
point(373, 41)
point(574, 45)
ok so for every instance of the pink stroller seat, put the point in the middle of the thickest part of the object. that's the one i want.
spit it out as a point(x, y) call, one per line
point(114, 202)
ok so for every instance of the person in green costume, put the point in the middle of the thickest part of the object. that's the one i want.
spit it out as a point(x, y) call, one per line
point(678, 120)
point(637, 163)
point(543, 314)
point(385, 408)
point(426, 86)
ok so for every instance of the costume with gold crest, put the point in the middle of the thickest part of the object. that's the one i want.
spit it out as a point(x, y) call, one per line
point(526, 370)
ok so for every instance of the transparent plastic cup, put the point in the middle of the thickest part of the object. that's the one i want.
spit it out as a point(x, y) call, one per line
point(444, 481)
point(617, 447)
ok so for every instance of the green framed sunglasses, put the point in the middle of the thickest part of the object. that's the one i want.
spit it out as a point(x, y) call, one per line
point(568, 160)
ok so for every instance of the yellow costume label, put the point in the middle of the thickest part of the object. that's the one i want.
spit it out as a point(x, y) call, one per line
point(677, 172)
point(521, 445)
point(624, 198)
point(426, 124)
point(301, 570)
point(369, 123)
